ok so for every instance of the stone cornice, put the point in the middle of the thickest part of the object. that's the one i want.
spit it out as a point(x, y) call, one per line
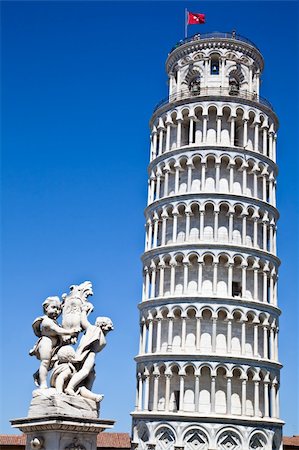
point(202, 418)
point(188, 197)
point(215, 43)
point(215, 98)
point(194, 149)
point(208, 357)
point(206, 246)
point(251, 304)
point(61, 423)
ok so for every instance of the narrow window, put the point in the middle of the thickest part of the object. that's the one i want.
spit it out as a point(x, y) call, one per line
point(158, 142)
point(177, 399)
point(215, 65)
point(237, 141)
point(194, 133)
point(236, 289)
point(194, 85)
point(176, 77)
point(234, 86)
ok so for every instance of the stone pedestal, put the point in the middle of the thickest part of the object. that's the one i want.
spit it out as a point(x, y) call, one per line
point(47, 402)
point(61, 432)
point(61, 422)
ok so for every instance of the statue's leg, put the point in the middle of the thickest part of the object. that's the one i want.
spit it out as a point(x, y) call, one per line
point(86, 393)
point(61, 380)
point(43, 372)
point(90, 379)
point(45, 351)
point(81, 375)
point(36, 378)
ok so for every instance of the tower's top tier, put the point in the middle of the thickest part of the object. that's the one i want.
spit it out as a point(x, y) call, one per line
point(214, 61)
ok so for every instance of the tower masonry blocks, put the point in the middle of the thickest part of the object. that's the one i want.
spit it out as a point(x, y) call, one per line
point(208, 366)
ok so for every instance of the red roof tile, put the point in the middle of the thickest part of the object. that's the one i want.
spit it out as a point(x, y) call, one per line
point(114, 440)
point(104, 440)
point(12, 439)
point(291, 441)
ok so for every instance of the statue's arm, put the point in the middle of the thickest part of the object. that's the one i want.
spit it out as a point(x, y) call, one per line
point(84, 322)
point(52, 326)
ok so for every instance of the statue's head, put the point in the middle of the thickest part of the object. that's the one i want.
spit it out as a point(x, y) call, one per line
point(104, 323)
point(52, 307)
point(66, 354)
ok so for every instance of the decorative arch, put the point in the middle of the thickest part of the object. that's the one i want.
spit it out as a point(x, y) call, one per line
point(196, 439)
point(237, 74)
point(193, 79)
point(143, 432)
point(165, 438)
point(229, 440)
point(258, 441)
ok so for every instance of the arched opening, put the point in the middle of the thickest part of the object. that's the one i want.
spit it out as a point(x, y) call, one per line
point(250, 394)
point(220, 394)
point(236, 333)
point(164, 330)
point(190, 330)
point(194, 84)
point(221, 336)
point(225, 128)
point(181, 224)
point(236, 406)
point(179, 275)
point(177, 331)
point(224, 175)
point(214, 64)
point(206, 331)
point(189, 398)
point(194, 223)
point(196, 175)
point(223, 222)
point(174, 401)
point(193, 275)
point(205, 391)
point(207, 285)
point(222, 277)
point(183, 172)
point(208, 234)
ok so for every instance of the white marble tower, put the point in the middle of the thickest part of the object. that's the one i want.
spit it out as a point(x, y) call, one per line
point(208, 367)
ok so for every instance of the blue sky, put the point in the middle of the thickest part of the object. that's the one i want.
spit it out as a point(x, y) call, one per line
point(79, 83)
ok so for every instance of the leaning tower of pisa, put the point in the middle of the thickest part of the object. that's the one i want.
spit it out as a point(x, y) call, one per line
point(208, 367)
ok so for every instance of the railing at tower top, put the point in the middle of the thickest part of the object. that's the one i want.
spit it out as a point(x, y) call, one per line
point(214, 35)
point(211, 91)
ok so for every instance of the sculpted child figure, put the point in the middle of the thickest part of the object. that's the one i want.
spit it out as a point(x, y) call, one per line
point(91, 343)
point(63, 368)
point(51, 337)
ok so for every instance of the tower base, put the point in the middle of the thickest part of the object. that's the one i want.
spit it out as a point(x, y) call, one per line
point(213, 433)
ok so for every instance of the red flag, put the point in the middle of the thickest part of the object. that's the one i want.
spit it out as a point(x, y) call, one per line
point(195, 18)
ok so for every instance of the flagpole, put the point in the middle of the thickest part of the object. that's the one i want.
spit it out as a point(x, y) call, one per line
point(186, 25)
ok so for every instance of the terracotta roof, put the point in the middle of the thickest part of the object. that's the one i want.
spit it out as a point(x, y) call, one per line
point(12, 439)
point(114, 440)
point(292, 441)
point(104, 440)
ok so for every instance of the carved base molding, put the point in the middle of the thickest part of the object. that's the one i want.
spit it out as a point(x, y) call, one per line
point(61, 433)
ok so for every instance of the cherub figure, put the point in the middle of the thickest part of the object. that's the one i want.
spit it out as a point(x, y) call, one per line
point(91, 343)
point(63, 368)
point(51, 337)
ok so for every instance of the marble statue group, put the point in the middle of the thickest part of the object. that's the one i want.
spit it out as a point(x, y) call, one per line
point(68, 350)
